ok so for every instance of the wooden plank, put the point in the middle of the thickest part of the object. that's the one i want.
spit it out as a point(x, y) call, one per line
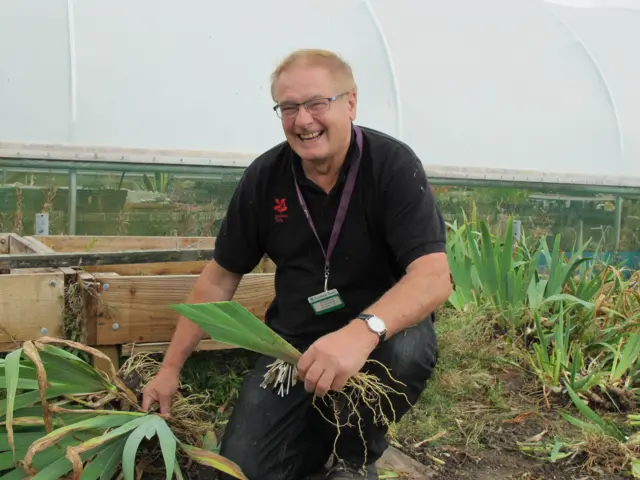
point(128, 349)
point(78, 259)
point(4, 243)
point(111, 351)
point(37, 246)
point(29, 303)
point(161, 268)
point(135, 309)
point(18, 245)
point(35, 270)
point(89, 243)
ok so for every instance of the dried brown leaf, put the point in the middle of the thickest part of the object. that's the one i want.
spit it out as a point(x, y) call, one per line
point(30, 351)
point(26, 421)
point(74, 457)
point(205, 457)
point(42, 444)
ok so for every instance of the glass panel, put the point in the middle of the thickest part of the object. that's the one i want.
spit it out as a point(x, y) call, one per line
point(148, 203)
point(630, 231)
point(152, 203)
point(574, 215)
point(25, 192)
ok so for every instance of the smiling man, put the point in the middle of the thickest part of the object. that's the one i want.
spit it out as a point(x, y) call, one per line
point(347, 215)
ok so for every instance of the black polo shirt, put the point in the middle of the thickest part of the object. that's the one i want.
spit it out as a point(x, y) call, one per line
point(392, 219)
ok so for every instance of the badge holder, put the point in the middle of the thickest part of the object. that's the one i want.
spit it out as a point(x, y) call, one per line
point(327, 301)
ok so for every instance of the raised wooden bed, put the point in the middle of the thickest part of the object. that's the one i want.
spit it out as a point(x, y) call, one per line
point(31, 300)
point(120, 308)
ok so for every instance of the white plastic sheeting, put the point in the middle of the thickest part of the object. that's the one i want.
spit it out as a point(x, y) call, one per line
point(492, 88)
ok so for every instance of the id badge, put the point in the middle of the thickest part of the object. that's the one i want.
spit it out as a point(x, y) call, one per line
point(326, 302)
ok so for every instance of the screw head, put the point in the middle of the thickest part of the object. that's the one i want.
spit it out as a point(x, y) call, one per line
point(115, 326)
point(44, 330)
point(52, 283)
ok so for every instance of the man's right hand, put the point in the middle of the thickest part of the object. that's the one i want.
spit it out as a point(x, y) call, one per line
point(161, 389)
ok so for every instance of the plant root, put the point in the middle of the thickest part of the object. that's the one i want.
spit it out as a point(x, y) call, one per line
point(363, 391)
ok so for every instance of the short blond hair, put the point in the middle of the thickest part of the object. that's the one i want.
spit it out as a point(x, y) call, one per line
point(339, 68)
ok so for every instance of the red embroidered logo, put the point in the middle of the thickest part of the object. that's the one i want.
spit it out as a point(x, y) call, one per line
point(280, 208)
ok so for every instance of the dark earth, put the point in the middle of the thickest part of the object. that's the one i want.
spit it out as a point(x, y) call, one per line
point(499, 461)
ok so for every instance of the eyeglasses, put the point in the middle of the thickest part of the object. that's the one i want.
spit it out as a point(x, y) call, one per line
point(314, 106)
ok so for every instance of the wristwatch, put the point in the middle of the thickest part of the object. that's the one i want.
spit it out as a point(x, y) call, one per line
point(375, 324)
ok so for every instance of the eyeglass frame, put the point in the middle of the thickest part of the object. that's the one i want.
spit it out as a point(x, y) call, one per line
point(278, 106)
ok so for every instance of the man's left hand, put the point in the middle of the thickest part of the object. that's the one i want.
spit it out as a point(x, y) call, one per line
point(334, 358)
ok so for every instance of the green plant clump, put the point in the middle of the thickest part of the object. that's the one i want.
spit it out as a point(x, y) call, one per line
point(62, 415)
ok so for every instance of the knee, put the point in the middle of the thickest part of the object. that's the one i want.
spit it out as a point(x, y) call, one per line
point(241, 452)
point(411, 355)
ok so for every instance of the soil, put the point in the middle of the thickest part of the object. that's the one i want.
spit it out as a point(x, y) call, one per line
point(500, 459)
point(195, 472)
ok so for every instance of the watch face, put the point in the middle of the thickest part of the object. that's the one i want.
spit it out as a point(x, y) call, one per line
point(376, 324)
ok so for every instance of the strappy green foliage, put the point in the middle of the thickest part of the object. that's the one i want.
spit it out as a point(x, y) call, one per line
point(60, 415)
point(230, 323)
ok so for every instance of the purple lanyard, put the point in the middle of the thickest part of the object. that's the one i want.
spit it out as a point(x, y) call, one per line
point(342, 209)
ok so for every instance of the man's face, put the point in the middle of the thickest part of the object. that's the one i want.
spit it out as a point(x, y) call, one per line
point(316, 133)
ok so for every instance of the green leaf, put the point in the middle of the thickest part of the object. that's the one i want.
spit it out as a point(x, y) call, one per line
point(43, 460)
point(628, 356)
point(147, 429)
point(563, 297)
point(114, 463)
point(210, 442)
point(607, 428)
point(60, 467)
point(168, 446)
point(21, 439)
point(105, 463)
point(17, 474)
point(122, 420)
point(32, 397)
point(230, 323)
point(78, 371)
point(23, 383)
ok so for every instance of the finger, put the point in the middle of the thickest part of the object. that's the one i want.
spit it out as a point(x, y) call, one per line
point(324, 383)
point(304, 363)
point(165, 404)
point(312, 377)
point(339, 381)
point(148, 399)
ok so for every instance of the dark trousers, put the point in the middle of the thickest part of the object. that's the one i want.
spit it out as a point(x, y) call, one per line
point(277, 438)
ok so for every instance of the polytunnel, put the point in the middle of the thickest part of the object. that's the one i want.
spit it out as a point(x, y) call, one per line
point(497, 89)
